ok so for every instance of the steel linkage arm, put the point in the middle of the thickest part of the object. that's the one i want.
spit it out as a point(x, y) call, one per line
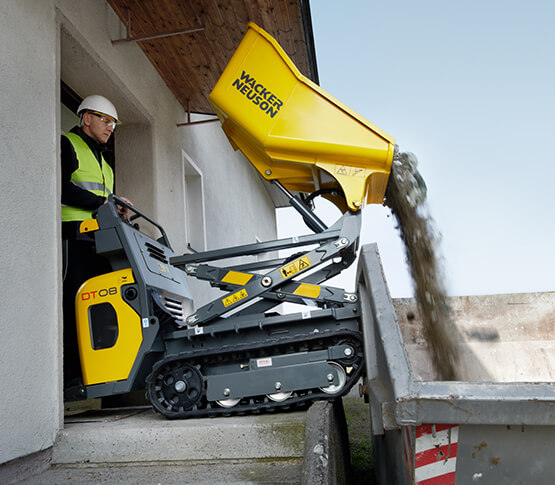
point(341, 238)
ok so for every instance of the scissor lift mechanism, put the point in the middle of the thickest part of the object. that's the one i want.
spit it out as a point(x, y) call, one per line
point(277, 285)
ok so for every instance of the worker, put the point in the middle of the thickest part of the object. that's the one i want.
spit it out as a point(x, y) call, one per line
point(87, 180)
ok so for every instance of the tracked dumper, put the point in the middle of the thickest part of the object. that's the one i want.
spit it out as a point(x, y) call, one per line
point(238, 354)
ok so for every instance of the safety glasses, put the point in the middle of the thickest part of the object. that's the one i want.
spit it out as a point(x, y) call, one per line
point(107, 121)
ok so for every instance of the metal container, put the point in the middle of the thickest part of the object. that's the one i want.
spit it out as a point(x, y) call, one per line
point(447, 432)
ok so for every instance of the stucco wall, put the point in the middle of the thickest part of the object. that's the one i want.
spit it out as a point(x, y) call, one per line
point(29, 241)
point(236, 206)
point(41, 43)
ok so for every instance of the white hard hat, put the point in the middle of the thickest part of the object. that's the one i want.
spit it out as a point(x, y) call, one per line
point(98, 103)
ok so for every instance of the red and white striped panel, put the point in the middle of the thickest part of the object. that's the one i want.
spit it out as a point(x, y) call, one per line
point(435, 454)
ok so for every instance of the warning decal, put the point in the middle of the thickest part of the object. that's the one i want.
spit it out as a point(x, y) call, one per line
point(294, 267)
point(231, 299)
point(351, 171)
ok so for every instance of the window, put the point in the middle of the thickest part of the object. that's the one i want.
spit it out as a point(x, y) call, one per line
point(103, 321)
point(193, 195)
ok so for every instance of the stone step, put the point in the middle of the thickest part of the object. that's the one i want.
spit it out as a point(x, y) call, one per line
point(224, 472)
point(140, 435)
point(136, 446)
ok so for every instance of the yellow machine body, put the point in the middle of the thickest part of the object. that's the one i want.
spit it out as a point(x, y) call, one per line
point(293, 131)
point(109, 331)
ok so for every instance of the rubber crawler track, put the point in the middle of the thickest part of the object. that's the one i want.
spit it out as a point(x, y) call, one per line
point(240, 353)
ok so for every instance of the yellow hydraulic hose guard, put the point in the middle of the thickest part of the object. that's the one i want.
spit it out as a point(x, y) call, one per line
point(291, 130)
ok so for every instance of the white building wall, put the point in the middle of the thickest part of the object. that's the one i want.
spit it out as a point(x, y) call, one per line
point(236, 203)
point(30, 386)
point(41, 43)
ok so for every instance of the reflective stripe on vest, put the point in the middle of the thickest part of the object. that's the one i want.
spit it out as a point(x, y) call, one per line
point(88, 176)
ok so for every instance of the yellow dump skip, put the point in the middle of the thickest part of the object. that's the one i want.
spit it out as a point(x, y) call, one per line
point(293, 131)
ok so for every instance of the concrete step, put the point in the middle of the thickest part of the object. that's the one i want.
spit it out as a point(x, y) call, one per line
point(141, 435)
point(136, 446)
point(214, 473)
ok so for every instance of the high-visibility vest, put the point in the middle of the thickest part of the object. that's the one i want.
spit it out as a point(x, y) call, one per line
point(89, 176)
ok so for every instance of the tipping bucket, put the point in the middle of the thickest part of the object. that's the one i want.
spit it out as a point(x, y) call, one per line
point(293, 131)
